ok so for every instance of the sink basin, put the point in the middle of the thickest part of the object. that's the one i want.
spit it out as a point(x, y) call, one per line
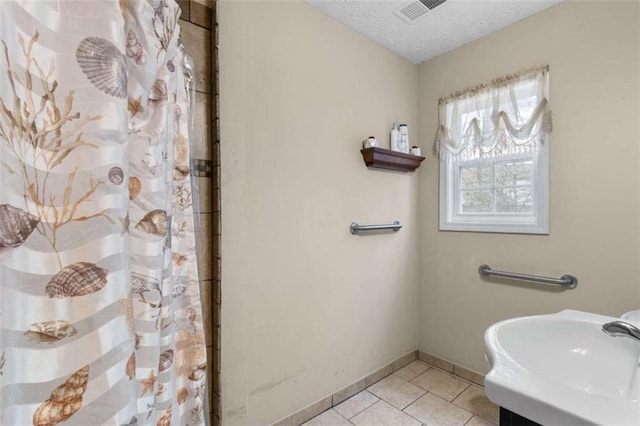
point(562, 369)
point(631, 316)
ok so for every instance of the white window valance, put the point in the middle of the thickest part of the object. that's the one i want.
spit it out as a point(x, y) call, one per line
point(509, 110)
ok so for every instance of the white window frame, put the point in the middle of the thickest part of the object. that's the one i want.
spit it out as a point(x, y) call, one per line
point(536, 222)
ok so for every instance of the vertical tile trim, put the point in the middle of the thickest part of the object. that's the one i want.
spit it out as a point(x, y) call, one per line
point(214, 138)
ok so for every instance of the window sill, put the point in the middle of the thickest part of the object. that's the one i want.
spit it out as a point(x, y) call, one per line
point(532, 228)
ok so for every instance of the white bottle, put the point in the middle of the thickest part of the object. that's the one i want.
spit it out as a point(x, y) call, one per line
point(394, 141)
point(404, 138)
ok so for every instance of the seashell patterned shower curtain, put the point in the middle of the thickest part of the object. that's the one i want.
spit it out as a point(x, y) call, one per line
point(100, 316)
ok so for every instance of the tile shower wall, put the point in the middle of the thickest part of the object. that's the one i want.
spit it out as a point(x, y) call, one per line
point(199, 36)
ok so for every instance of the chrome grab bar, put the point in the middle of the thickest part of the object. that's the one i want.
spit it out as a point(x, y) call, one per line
point(355, 228)
point(566, 281)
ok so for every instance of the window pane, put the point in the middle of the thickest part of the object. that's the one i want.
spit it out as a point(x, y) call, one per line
point(476, 201)
point(475, 176)
point(509, 173)
point(514, 200)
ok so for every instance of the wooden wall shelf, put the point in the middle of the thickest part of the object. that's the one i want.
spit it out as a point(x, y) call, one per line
point(381, 158)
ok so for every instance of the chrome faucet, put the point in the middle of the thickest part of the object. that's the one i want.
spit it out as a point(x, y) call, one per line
point(621, 328)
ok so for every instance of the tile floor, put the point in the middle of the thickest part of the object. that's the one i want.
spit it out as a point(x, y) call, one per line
point(418, 394)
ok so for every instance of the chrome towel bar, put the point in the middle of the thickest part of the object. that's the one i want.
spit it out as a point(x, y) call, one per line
point(355, 228)
point(566, 281)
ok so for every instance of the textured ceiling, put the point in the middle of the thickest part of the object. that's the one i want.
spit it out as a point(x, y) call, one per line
point(444, 28)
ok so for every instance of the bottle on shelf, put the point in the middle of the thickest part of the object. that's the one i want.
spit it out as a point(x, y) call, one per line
point(394, 139)
point(370, 142)
point(404, 138)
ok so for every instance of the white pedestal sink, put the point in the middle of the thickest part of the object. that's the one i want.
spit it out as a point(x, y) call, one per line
point(562, 369)
point(632, 315)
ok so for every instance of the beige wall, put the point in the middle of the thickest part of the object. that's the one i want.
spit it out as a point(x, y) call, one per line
point(593, 51)
point(307, 308)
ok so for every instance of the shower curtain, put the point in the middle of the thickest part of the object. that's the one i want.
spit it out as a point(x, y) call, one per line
point(100, 315)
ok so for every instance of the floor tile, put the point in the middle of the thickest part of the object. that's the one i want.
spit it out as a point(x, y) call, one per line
point(473, 399)
point(436, 411)
point(357, 403)
point(442, 384)
point(396, 391)
point(412, 370)
point(328, 418)
point(383, 414)
point(477, 421)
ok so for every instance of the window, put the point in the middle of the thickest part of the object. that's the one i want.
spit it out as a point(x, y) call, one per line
point(493, 147)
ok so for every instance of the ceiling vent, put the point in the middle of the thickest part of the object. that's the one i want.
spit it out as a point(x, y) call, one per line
point(415, 10)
